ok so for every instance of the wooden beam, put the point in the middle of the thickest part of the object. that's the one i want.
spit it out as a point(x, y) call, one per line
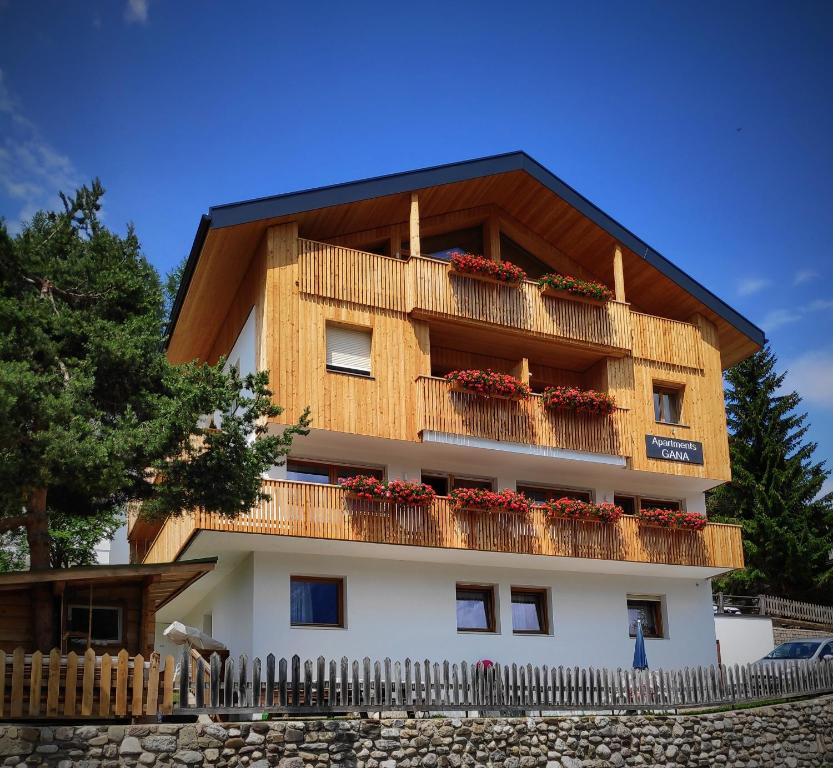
point(618, 273)
point(521, 370)
point(414, 224)
point(491, 237)
point(395, 241)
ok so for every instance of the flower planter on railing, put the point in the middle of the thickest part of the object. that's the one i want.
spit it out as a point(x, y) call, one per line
point(575, 289)
point(481, 500)
point(401, 492)
point(586, 401)
point(487, 270)
point(488, 383)
point(673, 519)
point(576, 509)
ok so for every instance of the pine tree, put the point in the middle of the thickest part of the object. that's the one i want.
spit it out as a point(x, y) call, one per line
point(91, 413)
point(775, 489)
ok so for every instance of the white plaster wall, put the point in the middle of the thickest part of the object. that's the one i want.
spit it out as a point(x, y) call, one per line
point(399, 609)
point(244, 349)
point(743, 639)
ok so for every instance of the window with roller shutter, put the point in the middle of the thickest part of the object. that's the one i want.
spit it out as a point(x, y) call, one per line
point(348, 350)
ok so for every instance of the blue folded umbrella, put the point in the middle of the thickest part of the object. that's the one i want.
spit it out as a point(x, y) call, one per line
point(640, 658)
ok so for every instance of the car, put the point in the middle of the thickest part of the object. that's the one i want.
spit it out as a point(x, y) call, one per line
point(810, 649)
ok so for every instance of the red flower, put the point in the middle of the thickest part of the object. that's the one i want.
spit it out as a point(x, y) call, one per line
point(489, 501)
point(506, 272)
point(673, 518)
point(582, 401)
point(489, 383)
point(589, 288)
point(576, 509)
point(404, 492)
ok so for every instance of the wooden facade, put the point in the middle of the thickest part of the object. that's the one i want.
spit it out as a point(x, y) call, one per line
point(325, 512)
point(362, 265)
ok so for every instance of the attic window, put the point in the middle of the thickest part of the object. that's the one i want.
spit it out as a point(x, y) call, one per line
point(511, 251)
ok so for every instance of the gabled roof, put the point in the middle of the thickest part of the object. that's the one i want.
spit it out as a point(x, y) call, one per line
point(276, 206)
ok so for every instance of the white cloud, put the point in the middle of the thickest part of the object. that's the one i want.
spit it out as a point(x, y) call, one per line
point(32, 171)
point(826, 487)
point(777, 318)
point(136, 11)
point(750, 285)
point(810, 375)
point(804, 276)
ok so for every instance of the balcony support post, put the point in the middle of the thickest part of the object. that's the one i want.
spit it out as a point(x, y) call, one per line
point(618, 273)
point(395, 241)
point(414, 224)
point(492, 238)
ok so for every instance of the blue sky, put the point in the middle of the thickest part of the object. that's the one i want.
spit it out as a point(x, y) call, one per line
point(703, 127)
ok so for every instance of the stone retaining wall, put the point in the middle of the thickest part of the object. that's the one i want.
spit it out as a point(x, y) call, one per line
point(785, 634)
point(791, 735)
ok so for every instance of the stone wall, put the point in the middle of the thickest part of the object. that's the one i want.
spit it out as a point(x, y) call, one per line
point(791, 735)
point(785, 634)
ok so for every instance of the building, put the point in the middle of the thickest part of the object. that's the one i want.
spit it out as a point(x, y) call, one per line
point(346, 295)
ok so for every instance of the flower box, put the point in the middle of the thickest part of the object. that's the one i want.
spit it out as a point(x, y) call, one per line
point(488, 383)
point(575, 289)
point(586, 401)
point(396, 492)
point(576, 509)
point(487, 270)
point(672, 519)
point(481, 500)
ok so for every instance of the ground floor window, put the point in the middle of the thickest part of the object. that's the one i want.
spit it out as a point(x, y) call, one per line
point(529, 611)
point(475, 608)
point(316, 602)
point(325, 473)
point(105, 627)
point(648, 610)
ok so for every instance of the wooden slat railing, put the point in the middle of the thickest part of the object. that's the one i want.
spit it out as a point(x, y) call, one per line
point(440, 409)
point(349, 275)
point(783, 608)
point(666, 341)
point(319, 686)
point(325, 512)
point(76, 686)
point(435, 292)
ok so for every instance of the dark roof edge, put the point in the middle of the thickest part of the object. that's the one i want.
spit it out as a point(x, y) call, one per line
point(233, 214)
point(91, 570)
point(187, 274)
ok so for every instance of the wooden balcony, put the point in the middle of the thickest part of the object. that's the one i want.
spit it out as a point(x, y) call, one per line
point(436, 293)
point(425, 288)
point(441, 409)
point(324, 512)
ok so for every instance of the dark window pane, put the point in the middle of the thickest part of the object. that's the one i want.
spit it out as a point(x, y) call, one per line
point(444, 246)
point(658, 504)
point(105, 624)
point(474, 609)
point(528, 612)
point(438, 482)
point(657, 406)
point(648, 612)
point(541, 494)
point(511, 251)
point(315, 602)
point(342, 473)
point(470, 482)
point(306, 472)
point(628, 504)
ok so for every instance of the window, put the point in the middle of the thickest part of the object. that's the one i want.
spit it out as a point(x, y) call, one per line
point(630, 504)
point(649, 612)
point(542, 493)
point(529, 611)
point(511, 251)
point(667, 404)
point(316, 602)
point(326, 474)
point(348, 350)
point(444, 246)
point(826, 651)
point(106, 626)
point(475, 608)
point(443, 484)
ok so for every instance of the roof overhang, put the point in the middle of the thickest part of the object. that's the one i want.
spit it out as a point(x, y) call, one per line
point(277, 207)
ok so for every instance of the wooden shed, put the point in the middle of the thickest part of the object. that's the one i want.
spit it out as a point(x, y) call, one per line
point(103, 607)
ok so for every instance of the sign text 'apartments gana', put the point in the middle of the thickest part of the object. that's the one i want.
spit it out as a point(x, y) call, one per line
point(670, 449)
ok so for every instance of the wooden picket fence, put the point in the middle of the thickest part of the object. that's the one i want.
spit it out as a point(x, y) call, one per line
point(290, 686)
point(38, 686)
point(84, 686)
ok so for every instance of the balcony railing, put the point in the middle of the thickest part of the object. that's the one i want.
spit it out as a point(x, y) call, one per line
point(425, 287)
point(527, 421)
point(325, 512)
point(437, 293)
